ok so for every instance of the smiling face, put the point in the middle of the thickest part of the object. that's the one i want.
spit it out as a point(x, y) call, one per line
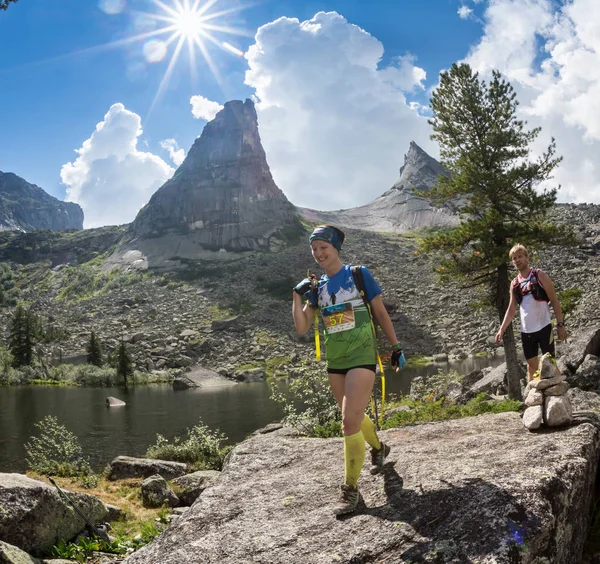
point(325, 254)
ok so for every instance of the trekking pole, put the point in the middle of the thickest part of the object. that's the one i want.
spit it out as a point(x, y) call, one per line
point(315, 289)
point(98, 532)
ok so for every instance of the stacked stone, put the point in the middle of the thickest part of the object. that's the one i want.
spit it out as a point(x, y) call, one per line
point(546, 399)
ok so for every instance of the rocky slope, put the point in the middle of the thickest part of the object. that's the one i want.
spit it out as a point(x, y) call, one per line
point(26, 207)
point(177, 319)
point(398, 210)
point(223, 195)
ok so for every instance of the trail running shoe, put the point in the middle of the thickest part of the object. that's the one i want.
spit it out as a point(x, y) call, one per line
point(348, 500)
point(378, 458)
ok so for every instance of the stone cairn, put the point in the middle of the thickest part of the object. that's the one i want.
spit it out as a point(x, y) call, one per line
point(546, 399)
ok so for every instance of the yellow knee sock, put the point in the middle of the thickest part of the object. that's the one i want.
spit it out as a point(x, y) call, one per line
point(354, 456)
point(367, 428)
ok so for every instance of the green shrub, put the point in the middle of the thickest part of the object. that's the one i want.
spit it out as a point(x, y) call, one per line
point(202, 448)
point(307, 404)
point(56, 451)
point(569, 299)
point(420, 411)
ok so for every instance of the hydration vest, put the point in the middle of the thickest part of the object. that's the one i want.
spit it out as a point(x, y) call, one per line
point(530, 285)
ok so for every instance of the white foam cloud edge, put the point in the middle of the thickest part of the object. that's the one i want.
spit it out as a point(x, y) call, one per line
point(111, 179)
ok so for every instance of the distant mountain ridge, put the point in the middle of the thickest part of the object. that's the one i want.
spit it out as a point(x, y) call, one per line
point(398, 210)
point(26, 207)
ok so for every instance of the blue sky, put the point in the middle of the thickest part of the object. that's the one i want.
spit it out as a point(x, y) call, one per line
point(61, 78)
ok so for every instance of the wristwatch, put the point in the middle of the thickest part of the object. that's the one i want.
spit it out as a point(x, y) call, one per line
point(560, 323)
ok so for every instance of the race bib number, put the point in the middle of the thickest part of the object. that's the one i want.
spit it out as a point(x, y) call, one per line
point(339, 317)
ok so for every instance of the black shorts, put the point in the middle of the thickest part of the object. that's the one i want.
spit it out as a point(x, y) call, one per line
point(544, 338)
point(344, 371)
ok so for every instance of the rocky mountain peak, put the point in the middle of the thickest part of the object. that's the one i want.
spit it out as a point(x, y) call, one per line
point(26, 207)
point(419, 171)
point(223, 195)
point(399, 209)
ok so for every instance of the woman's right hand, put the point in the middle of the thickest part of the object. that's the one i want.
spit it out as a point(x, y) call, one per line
point(303, 287)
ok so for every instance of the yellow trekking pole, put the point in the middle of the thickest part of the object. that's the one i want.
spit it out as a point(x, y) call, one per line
point(381, 371)
point(317, 340)
point(314, 288)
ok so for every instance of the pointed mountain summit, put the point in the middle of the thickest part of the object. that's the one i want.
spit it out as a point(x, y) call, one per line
point(223, 195)
point(419, 171)
point(26, 207)
point(399, 209)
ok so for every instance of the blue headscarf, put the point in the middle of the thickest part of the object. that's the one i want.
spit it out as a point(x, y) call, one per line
point(328, 234)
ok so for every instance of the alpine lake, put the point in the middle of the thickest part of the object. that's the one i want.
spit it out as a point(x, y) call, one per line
point(104, 433)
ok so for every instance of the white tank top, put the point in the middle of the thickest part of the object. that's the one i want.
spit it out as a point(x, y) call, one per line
point(535, 315)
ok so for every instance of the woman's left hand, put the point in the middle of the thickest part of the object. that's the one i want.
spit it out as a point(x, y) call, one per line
point(398, 360)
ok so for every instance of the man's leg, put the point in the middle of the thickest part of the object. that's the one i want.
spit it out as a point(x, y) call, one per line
point(532, 366)
point(530, 350)
point(547, 340)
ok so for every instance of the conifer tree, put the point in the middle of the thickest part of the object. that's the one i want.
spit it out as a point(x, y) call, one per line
point(492, 180)
point(4, 4)
point(22, 336)
point(124, 363)
point(94, 350)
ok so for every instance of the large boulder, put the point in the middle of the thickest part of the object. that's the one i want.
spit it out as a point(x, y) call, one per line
point(479, 489)
point(10, 554)
point(200, 377)
point(192, 485)
point(156, 493)
point(580, 345)
point(131, 467)
point(34, 516)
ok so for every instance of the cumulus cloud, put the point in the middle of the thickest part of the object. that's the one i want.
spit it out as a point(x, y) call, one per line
point(551, 55)
point(335, 124)
point(111, 179)
point(203, 108)
point(177, 155)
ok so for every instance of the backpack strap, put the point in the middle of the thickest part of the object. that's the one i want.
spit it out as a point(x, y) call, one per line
point(359, 282)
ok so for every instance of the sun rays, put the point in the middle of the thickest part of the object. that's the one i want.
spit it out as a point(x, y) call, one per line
point(190, 25)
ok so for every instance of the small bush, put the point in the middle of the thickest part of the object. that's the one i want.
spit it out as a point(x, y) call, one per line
point(202, 448)
point(569, 299)
point(308, 405)
point(56, 451)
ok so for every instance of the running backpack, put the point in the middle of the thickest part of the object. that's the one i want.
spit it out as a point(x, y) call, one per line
point(532, 285)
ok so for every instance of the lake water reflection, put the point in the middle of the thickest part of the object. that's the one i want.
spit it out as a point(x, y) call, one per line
point(104, 433)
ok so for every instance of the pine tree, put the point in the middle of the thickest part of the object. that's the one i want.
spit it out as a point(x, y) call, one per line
point(94, 350)
point(4, 3)
point(22, 336)
point(124, 363)
point(493, 182)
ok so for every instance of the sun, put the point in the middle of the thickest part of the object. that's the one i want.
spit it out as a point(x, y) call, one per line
point(188, 23)
point(192, 24)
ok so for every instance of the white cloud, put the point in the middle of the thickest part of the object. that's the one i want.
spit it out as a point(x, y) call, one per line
point(551, 55)
point(110, 179)
point(203, 108)
point(464, 12)
point(177, 155)
point(335, 126)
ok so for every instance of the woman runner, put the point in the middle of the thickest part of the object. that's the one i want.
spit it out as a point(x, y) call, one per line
point(351, 351)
